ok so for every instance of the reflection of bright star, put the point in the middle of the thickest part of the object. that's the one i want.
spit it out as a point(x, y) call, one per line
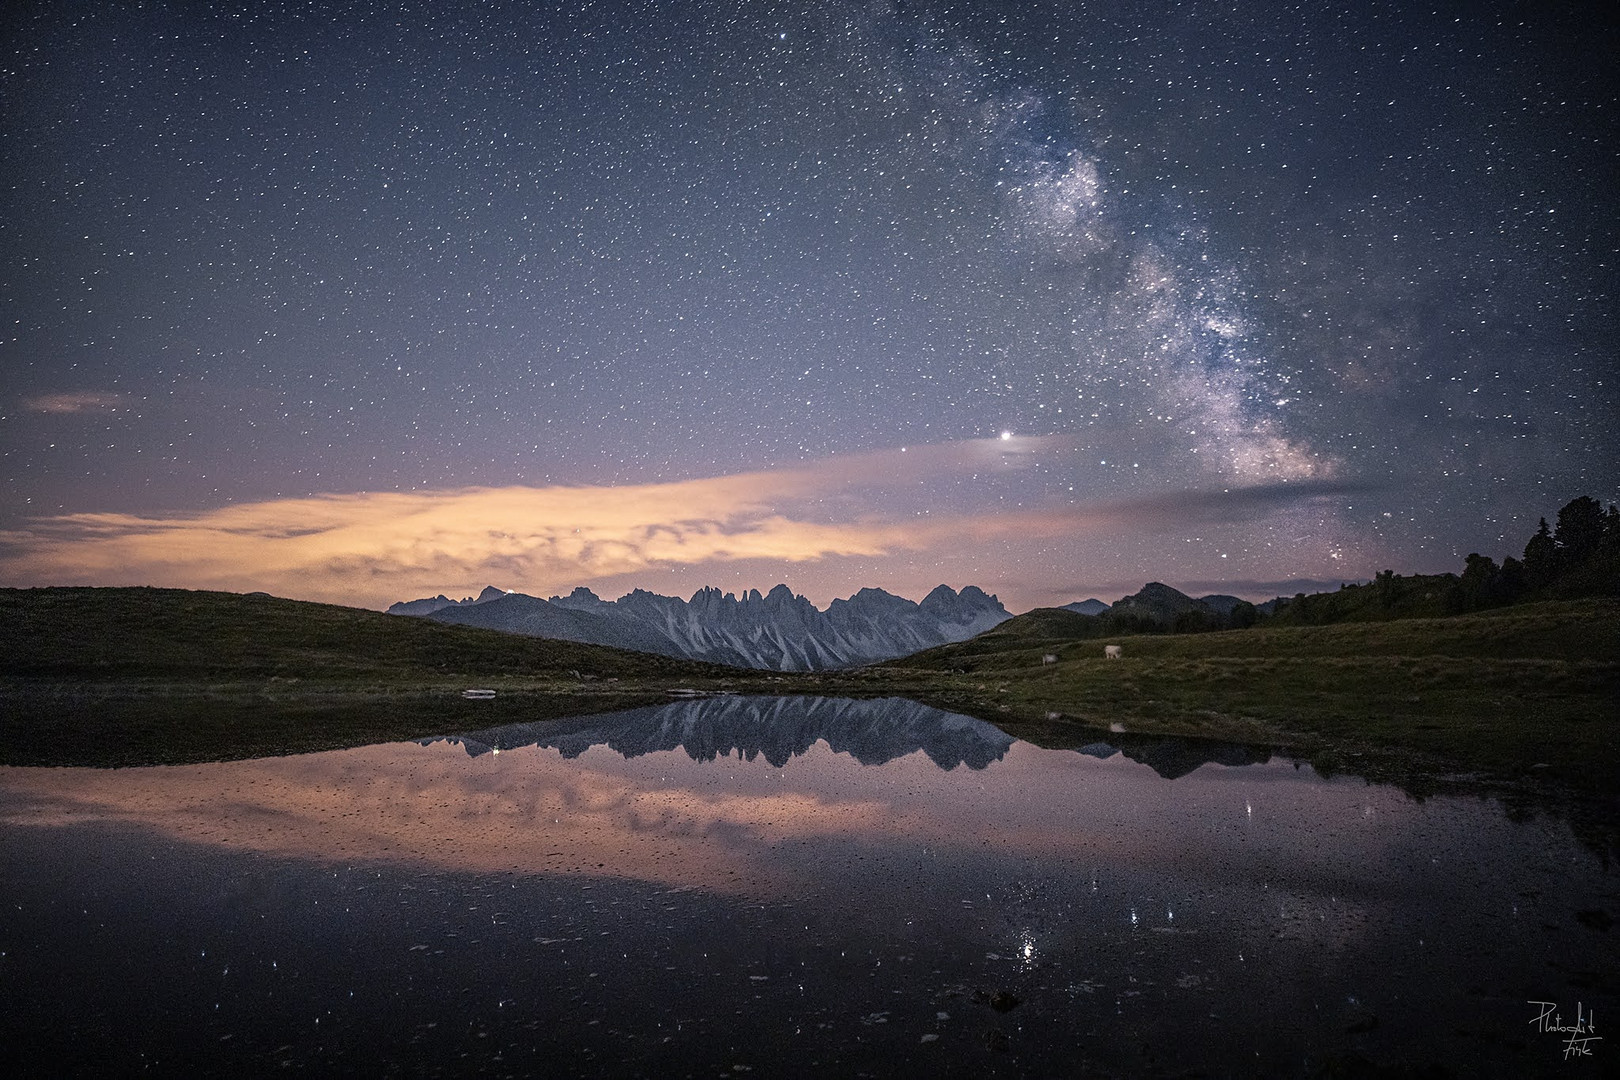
point(1005, 435)
point(1026, 949)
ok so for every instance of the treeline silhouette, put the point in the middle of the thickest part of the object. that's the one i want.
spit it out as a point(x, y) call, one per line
point(1578, 557)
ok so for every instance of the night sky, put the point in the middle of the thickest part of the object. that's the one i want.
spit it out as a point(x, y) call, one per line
point(368, 302)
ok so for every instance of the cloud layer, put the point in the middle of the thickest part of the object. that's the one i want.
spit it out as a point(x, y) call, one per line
point(374, 548)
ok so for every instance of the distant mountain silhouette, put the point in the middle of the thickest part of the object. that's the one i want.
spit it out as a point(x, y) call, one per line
point(438, 603)
point(776, 630)
point(872, 731)
point(1221, 603)
point(1158, 603)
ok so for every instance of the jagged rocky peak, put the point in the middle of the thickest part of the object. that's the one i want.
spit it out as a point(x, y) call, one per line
point(421, 607)
point(646, 604)
point(786, 608)
point(710, 593)
point(438, 603)
point(880, 600)
point(972, 607)
point(710, 602)
point(973, 598)
point(581, 599)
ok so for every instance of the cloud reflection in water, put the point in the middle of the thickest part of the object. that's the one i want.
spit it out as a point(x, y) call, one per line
point(757, 797)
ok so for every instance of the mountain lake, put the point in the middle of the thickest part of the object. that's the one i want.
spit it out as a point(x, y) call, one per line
point(781, 887)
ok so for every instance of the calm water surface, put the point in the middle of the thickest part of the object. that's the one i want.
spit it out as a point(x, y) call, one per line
point(784, 887)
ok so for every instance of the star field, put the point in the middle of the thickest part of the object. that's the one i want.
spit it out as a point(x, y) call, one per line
point(1350, 268)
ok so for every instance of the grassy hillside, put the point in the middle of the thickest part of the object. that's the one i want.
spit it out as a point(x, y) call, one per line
point(141, 634)
point(1531, 690)
point(162, 676)
point(1565, 630)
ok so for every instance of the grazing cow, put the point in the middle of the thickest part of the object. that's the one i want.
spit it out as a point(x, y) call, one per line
point(1048, 659)
point(1112, 652)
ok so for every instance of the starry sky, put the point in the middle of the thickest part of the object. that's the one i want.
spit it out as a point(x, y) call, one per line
point(366, 302)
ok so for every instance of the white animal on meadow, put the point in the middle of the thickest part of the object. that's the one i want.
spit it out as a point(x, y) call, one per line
point(1048, 659)
point(1112, 652)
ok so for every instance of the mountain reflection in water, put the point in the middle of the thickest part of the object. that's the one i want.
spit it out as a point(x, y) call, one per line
point(872, 731)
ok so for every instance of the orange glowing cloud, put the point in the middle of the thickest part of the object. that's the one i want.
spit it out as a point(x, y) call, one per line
point(372, 548)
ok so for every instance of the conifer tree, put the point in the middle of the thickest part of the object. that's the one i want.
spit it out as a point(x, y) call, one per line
point(1478, 587)
point(1384, 586)
point(1540, 557)
point(1580, 529)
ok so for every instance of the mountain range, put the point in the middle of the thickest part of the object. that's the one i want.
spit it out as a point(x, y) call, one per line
point(778, 630)
point(1158, 602)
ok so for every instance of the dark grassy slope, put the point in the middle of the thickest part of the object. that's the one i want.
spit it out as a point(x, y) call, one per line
point(1501, 692)
point(1555, 630)
point(163, 676)
point(174, 634)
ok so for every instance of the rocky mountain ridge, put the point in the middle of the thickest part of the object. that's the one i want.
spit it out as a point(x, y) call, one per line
point(778, 630)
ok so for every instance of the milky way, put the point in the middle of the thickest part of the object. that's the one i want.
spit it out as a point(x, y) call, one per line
point(1258, 296)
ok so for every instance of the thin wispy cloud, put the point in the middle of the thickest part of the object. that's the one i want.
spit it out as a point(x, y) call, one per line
point(80, 401)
